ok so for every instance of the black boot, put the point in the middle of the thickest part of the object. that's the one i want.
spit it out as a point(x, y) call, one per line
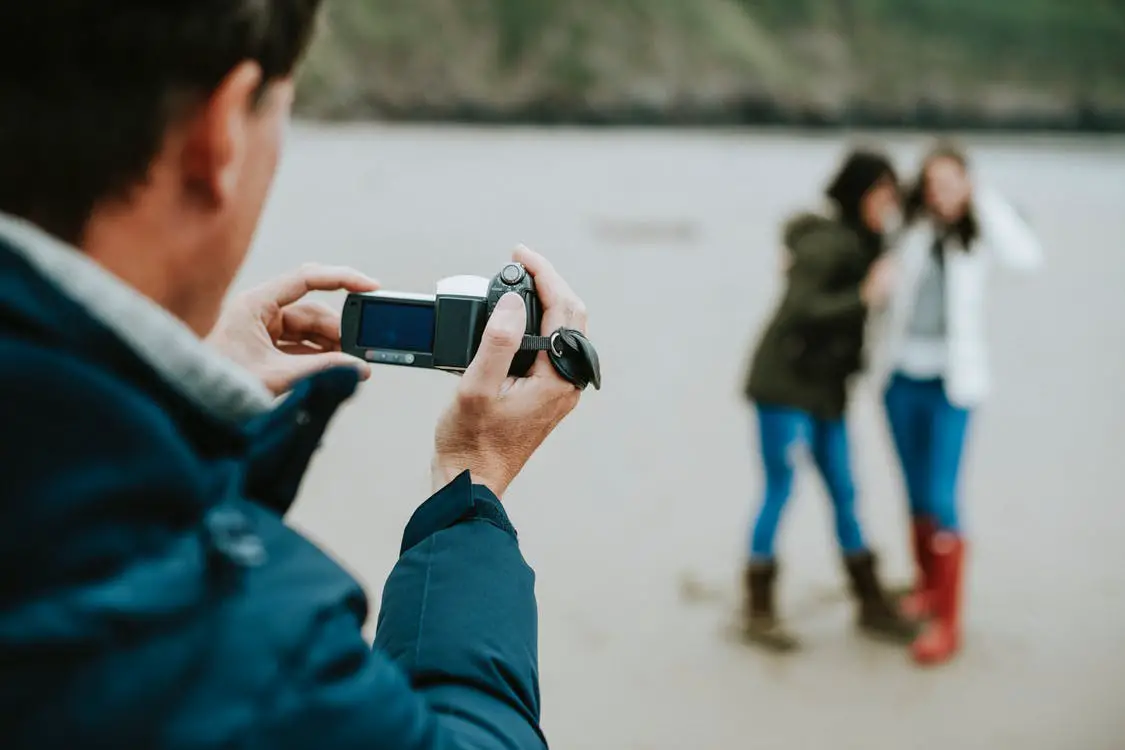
point(877, 614)
point(761, 625)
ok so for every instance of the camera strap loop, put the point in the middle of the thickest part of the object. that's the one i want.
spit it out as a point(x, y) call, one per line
point(571, 353)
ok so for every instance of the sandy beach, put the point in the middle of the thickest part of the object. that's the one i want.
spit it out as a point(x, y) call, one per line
point(672, 240)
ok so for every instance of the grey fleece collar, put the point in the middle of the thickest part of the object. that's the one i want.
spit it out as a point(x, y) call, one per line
point(201, 373)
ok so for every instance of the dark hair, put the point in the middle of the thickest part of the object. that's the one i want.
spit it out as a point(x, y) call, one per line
point(89, 89)
point(966, 229)
point(862, 170)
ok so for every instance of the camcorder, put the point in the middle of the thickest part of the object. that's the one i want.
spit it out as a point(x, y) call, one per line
point(442, 331)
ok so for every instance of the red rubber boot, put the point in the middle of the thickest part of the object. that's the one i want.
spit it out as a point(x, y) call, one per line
point(942, 637)
point(916, 604)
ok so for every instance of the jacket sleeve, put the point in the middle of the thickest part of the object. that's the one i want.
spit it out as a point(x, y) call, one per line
point(1008, 235)
point(454, 665)
point(459, 617)
point(809, 298)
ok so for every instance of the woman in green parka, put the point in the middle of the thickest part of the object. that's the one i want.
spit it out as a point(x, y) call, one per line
point(799, 377)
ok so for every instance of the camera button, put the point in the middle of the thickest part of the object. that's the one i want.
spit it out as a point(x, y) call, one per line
point(512, 274)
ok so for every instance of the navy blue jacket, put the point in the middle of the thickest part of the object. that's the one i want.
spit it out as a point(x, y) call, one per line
point(152, 597)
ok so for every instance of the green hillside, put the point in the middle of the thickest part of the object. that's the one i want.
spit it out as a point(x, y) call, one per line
point(923, 62)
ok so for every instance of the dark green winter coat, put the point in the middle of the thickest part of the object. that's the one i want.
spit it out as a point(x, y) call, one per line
point(813, 343)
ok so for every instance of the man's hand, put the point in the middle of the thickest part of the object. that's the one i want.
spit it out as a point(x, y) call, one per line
point(496, 423)
point(280, 337)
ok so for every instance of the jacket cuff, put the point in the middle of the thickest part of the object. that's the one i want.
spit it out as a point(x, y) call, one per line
point(458, 502)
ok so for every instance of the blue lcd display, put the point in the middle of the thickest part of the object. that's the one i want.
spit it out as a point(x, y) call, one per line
point(399, 326)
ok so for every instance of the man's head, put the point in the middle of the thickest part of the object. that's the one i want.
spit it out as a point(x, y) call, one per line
point(865, 190)
point(147, 132)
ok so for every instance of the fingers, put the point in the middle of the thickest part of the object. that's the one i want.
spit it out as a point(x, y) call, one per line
point(314, 277)
point(501, 340)
point(308, 346)
point(561, 306)
point(293, 369)
point(311, 321)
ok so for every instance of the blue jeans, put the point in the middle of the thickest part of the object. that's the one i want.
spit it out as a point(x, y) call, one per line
point(782, 432)
point(929, 435)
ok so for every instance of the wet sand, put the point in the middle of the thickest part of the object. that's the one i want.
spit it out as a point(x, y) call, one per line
point(671, 239)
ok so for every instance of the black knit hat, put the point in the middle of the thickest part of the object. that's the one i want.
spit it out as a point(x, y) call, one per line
point(859, 173)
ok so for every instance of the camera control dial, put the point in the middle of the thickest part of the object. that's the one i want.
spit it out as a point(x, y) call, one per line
point(512, 274)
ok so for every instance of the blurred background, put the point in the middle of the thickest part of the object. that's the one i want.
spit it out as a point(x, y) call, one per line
point(928, 63)
point(422, 151)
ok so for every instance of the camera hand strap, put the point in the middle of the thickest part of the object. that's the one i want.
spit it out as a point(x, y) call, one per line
point(572, 354)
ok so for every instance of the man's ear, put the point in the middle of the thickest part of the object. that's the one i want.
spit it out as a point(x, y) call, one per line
point(216, 136)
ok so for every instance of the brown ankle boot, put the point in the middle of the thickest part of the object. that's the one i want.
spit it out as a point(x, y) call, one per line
point(761, 625)
point(877, 616)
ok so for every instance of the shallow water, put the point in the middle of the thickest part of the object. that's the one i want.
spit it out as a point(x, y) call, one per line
point(671, 238)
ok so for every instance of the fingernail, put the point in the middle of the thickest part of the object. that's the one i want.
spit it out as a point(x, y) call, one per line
point(510, 302)
point(508, 314)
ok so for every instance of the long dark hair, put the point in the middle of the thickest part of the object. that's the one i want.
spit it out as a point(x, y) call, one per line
point(861, 170)
point(967, 229)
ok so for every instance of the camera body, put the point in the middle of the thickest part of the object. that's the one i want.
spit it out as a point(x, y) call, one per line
point(440, 331)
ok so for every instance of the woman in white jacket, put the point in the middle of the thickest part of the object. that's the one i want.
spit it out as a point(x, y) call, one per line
point(931, 360)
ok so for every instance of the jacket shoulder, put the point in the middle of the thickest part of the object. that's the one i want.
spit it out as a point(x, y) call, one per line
point(89, 463)
point(51, 394)
point(803, 224)
point(123, 534)
point(813, 233)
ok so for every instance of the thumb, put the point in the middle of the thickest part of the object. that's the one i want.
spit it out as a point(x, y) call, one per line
point(298, 367)
point(499, 344)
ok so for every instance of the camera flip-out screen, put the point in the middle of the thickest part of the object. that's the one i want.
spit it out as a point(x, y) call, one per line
point(392, 328)
point(397, 325)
